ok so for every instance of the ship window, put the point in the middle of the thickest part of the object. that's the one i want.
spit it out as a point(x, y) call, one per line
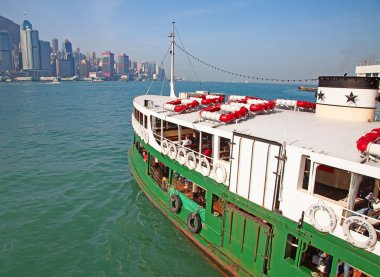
point(367, 197)
point(138, 116)
point(140, 149)
point(316, 260)
point(375, 74)
point(303, 182)
point(170, 131)
point(156, 127)
point(344, 269)
point(217, 206)
point(331, 182)
point(145, 121)
point(225, 149)
point(368, 74)
point(206, 144)
point(291, 248)
point(159, 173)
point(190, 189)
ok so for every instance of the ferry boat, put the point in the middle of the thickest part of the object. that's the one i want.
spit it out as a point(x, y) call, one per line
point(267, 187)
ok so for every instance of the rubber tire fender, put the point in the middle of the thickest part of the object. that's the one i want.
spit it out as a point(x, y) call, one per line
point(194, 223)
point(175, 203)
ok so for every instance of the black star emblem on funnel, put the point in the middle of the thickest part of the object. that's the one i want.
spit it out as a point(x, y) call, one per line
point(320, 95)
point(351, 97)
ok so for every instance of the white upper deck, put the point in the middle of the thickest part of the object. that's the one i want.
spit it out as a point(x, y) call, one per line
point(336, 138)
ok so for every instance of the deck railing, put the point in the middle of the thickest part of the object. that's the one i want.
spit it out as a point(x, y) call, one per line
point(185, 155)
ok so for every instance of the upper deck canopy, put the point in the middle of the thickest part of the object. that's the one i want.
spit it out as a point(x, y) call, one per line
point(330, 137)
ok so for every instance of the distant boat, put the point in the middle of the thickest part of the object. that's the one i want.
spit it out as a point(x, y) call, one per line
point(98, 80)
point(302, 88)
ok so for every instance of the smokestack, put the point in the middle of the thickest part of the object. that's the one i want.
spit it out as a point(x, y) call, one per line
point(347, 98)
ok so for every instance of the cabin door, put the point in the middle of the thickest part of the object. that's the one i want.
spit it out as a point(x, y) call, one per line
point(247, 240)
point(256, 170)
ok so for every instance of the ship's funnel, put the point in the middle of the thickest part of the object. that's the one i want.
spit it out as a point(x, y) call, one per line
point(347, 98)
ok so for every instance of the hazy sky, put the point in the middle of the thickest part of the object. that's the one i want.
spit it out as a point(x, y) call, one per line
point(271, 39)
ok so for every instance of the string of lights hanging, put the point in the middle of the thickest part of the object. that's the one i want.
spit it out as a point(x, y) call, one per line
point(242, 75)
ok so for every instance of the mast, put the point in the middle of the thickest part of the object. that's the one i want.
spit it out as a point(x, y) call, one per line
point(172, 93)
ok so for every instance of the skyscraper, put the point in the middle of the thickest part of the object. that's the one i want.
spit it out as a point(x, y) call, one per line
point(13, 30)
point(108, 65)
point(63, 68)
point(54, 44)
point(94, 61)
point(77, 58)
point(67, 49)
point(84, 68)
point(45, 52)
point(123, 64)
point(5, 52)
point(30, 46)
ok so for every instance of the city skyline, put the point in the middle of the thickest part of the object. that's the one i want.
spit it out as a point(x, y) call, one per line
point(294, 40)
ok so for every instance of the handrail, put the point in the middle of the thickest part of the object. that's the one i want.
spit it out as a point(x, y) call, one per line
point(371, 220)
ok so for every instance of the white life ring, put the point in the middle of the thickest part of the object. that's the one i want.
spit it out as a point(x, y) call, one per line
point(181, 157)
point(146, 136)
point(191, 161)
point(204, 166)
point(172, 151)
point(330, 227)
point(220, 173)
point(371, 238)
point(165, 147)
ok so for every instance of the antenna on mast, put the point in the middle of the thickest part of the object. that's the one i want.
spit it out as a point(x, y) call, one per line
point(172, 92)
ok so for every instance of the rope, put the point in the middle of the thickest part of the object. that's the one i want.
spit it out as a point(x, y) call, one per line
point(161, 65)
point(189, 61)
point(241, 75)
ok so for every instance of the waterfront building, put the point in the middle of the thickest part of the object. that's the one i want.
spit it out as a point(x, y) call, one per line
point(67, 50)
point(108, 65)
point(13, 30)
point(139, 68)
point(5, 52)
point(45, 53)
point(54, 44)
point(123, 64)
point(368, 69)
point(30, 46)
point(64, 68)
point(84, 68)
point(94, 60)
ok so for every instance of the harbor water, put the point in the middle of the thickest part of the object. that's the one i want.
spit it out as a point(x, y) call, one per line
point(69, 205)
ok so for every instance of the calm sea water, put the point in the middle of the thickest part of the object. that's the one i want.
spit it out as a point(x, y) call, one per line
point(68, 203)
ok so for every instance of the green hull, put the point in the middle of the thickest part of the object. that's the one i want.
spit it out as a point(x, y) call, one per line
point(246, 239)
